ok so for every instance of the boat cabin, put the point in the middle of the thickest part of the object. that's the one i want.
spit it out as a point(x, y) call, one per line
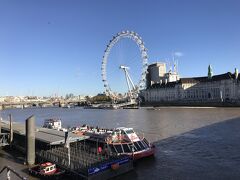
point(53, 124)
point(47, 168)
point(125, 135)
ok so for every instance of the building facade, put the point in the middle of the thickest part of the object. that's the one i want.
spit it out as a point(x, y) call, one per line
point(169, 88)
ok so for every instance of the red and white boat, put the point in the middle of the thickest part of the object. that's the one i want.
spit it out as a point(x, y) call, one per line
point(120, 141)
point(46, 170)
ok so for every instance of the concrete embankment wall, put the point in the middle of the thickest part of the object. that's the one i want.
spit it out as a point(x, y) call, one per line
point(194, 104)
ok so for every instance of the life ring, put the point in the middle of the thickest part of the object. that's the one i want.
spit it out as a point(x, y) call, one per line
point(115, 166)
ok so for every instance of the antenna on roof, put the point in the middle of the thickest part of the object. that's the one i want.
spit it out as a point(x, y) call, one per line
point(175, 63)
point(169, 67)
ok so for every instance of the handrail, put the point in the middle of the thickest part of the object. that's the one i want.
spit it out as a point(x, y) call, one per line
point(4, 139)
point(9, 169)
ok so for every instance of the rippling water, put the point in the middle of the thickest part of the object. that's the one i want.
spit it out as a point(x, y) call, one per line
point(192, 143)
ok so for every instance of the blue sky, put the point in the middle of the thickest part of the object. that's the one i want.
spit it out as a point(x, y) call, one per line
point(56, 47)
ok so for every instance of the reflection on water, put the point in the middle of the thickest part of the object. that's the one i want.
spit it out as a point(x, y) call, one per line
point(192, 143)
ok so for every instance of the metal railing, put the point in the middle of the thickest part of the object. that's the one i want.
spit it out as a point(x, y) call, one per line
point(4, 139)
point(9, 170)
point(78, 158)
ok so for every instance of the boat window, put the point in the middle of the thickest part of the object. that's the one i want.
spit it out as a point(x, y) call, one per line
point(130, 131)
point(126, 148)
point(47, 169)
point(147, 143)
point(119, 148)
point(137, 146)
point(144, 144)
point(132, 146)
point(51, 168)
point(141, 145)
point(113, 149)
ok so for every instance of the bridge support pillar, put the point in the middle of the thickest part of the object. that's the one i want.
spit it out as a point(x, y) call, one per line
point(30, 140)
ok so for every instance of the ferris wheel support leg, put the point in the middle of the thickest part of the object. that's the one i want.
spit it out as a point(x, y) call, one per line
point(128, 84)
point(133, 86)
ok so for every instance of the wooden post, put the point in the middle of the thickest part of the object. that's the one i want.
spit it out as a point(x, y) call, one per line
point(10, 128)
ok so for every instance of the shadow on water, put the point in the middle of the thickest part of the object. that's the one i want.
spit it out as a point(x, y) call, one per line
point(210, 152)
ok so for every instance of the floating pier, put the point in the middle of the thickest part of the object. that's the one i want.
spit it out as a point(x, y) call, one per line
point(67, 150)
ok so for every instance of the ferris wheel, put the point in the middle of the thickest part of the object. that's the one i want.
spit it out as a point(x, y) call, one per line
point(133, 89)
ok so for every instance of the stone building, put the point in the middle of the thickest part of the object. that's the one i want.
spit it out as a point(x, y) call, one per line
point(169, 88)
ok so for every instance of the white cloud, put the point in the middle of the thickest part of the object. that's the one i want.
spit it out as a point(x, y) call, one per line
point(178, 54)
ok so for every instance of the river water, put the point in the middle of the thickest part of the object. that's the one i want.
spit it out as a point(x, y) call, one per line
point(192, 143)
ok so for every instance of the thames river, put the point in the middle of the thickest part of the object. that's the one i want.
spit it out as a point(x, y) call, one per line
point(192, 143)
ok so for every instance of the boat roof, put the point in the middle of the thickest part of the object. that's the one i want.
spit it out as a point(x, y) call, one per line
point(48, 136)
point(124, 128)
point(47, 164)
point(52, 120)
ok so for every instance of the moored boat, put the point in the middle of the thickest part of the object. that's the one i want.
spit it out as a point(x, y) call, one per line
point(54, 123)
point(46, 170)
point(120, 141)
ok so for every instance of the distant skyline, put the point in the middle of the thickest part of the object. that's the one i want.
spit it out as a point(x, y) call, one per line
point(56, 47)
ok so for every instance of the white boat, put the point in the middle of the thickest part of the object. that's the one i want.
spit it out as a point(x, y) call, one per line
point(120, 141)
point(54, 124)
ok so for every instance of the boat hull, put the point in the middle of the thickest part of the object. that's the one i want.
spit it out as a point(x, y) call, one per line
point(144, 154)
point(55, 175)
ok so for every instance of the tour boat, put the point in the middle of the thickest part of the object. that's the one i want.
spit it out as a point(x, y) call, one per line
point(46, 170)
point(120, 141)
point(102, 106)
point(54, 124)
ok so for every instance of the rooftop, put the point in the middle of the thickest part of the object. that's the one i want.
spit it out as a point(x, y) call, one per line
point(49, 136)
point(219, 77)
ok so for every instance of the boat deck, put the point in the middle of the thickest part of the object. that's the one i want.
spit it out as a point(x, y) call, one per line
point(48, 136)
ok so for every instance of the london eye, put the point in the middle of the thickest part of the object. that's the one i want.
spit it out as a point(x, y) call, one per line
point(132, 87)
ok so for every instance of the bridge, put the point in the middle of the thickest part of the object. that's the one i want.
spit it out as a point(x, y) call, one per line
point(24, 104)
